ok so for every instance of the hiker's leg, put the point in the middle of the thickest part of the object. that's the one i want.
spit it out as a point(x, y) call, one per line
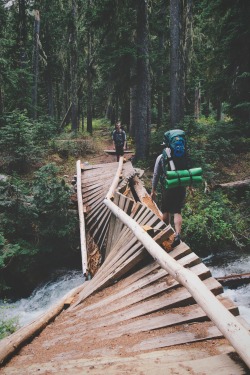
point(166, 217)
point(177, 222)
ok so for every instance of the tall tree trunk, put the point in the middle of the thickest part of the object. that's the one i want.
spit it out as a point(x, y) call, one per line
point(187, 44)
point(143, 117)
point(89, 80)
point(159, 73)
point(22, 54)
point(218, 109)
point(1, 101)
point(48, 73)
point(73, 66)
point(132, 99)
point(197, 102)
point(35, 62)
point(176, 65)
point(125, 113)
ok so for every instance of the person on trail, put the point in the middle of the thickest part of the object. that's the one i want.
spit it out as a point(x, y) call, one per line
point(173, 199)
point(119, 140)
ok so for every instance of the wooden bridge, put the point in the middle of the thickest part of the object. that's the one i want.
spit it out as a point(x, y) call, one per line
point(147, 310)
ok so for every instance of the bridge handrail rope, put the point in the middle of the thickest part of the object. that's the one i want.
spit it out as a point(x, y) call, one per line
point(81, 220)
point(229, 326)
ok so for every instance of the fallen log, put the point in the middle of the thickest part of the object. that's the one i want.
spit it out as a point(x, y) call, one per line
point(234, 185)
point(234, 280)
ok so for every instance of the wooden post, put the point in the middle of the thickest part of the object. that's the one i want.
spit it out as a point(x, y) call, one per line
point(81, 220)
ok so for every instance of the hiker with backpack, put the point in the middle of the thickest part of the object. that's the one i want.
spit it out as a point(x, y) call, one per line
point(174, 158)
point(119, 140)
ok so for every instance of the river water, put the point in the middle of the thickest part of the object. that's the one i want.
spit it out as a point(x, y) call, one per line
point(43, 297)
point(28, 309)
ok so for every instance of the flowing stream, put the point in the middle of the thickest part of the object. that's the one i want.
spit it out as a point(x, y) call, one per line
point(43, 297)
point(229, 263)
point(28, 309)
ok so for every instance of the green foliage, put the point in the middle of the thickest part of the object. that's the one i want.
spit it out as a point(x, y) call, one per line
point(210, 223)
point(7, 325)
point(35, 218)
point(16, 141)
point(16, 208)
point(52, 198)
point(7, 251)
point(70, 147)
point(156, 141)
point(44, 130)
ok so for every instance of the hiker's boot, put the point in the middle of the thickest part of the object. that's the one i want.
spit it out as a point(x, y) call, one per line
point(177, 241)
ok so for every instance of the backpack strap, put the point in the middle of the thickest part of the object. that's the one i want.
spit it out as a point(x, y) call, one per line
point(170, 160)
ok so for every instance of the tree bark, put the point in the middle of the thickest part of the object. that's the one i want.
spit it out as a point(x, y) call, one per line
point(22, 54)
point(187, 43)
point(1, 101)
point(89, 81)
point(143, 117)
point(176, 64)
point(132, 99)
point(35, 62)
point(197, 102)
point(159, 73)
point(73, 66)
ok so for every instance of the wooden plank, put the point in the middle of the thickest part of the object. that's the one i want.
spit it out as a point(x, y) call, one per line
point(129, 280)
point(177, 338)
point(97, 226)
point(176, 298)
point(138, 283)
point(153, 289)
point(161, 362)
point(94, 212)
point(152, 322)
point(86, 167)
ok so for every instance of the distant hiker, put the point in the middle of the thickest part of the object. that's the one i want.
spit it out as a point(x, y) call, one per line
point(173, 199)
point(119, 140)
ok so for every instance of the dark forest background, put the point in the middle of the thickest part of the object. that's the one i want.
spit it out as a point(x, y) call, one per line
point(68, 68)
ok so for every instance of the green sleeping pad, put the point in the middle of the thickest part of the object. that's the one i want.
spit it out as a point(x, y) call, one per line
point(191, 177)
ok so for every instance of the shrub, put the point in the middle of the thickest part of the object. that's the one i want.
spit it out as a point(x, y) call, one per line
point(17, 145)
point(52, 199)
point(7, 325)
point(210, 223)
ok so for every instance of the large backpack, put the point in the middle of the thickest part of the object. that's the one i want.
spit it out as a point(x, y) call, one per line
point(176, 151)
point(176, 141)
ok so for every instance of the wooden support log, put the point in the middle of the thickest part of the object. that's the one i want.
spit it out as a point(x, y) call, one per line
point(81, 221)
point(237, 335)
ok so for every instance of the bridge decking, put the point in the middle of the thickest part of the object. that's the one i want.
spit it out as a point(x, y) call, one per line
point(132, 317)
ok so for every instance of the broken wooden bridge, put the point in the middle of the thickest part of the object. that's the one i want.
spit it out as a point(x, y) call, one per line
point(147, 310)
